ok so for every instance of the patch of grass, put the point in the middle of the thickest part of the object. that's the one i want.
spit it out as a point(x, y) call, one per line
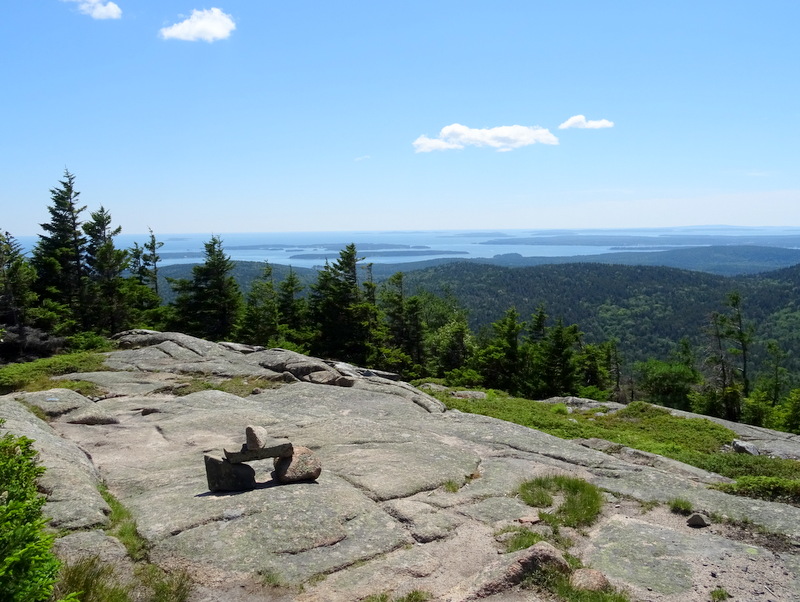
point(35, 375)
point(92, 580)
point(557, 583)
point(451, 486)
point(238, 385)
point(582, 501)
point(521, 540)
point(271, 578)
point(719, 594)
point(775, 489)
point(695, 441)
point(123, 526)
point(680, 505)
point(163, 586)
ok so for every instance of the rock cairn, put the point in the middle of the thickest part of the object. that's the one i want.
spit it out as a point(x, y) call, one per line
point(230, 471)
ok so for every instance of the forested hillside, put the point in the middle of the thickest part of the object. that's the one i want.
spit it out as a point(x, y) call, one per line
point(726, 346)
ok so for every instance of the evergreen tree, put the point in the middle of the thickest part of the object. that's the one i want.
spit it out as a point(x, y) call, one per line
point(150, 259)
point(209, 305)
point(260, 322)
point(17, 279)
point(499, 360)
point(60, 258)
point(557, 360)
point(108, 300)
point(342, 330)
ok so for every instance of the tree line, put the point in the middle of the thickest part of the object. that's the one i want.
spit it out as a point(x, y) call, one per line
point(77, 287)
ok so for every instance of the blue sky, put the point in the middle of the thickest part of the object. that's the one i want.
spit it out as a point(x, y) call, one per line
point(255, 115)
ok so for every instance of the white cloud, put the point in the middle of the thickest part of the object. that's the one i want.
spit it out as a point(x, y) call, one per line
point(503, 138)
point(579, 121)
point(98, 9)
point(208, 25)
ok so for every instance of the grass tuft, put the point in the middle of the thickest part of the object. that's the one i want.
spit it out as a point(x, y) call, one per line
point(92, 580)
point(719, 594)
point(582, 501)
point(521, 540)
point(123, 527)
point(680, 505)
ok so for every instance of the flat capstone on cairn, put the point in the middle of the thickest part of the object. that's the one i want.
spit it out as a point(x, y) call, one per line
point(293, 464)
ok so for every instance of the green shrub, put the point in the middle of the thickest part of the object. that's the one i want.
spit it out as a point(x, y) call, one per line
point(28, 567)
point(774, 489)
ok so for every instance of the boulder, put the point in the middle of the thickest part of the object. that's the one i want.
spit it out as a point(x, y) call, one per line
point(590, 580)
point(745, 447)
point(222, 475)
point(302, 465)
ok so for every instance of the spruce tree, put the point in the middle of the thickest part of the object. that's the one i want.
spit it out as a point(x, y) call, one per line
point(342, 323)
point(60, 258)
point(260, 322)
point(17, 278)
point(209, 305)
point(108, 299)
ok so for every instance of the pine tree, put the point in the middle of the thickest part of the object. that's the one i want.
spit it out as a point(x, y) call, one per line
point(260, 322)
point(17, 279)
point(293, 313)
point(209, 305)
point(342, 325)
point(108, 299)
point(59, 258)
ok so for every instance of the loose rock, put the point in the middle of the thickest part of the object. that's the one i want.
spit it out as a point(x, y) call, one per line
point(303, 465)
point(589, 580)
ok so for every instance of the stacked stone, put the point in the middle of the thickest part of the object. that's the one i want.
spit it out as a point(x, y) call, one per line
point(231, 473)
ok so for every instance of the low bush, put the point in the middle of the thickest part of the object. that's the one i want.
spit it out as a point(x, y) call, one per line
point(28, 567)
point(775, 489)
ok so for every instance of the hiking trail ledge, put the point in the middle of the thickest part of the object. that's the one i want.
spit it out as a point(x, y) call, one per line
point(411, 497)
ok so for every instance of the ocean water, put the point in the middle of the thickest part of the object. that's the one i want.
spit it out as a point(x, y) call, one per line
point(311, 249)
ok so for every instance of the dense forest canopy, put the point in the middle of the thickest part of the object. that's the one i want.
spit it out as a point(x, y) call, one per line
point(721, 345)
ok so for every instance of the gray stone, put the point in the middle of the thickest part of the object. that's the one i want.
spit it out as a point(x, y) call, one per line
point(91, 415)
point(85, 544)
point(468, 394)
point(272, 448)
point(698, 520)
point(255, 436)
point(589, 580)
point(745, 447)
point(302, 465)
point(504, 575)
point(224, 476)
point(54, 402)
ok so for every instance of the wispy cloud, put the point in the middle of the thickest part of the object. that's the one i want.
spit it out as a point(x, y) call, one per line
point(580, 121)
point(503, 138)
point(98, 9)
point(362, 158)
point(208, 25)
